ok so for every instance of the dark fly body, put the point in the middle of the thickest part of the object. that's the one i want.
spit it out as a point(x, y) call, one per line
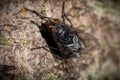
point(62, 41)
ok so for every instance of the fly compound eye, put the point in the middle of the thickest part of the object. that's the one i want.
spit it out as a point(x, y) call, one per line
point(52, 29)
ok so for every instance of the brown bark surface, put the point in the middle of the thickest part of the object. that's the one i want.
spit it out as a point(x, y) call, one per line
point(18, 35)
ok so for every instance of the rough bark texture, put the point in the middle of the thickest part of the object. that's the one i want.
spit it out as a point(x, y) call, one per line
point(18, 35)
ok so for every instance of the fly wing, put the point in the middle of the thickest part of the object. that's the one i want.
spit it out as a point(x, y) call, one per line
point(90, 42)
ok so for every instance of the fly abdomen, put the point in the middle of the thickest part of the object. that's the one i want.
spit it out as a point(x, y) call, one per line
point(68, 39)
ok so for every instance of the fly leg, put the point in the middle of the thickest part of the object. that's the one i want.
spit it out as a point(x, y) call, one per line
point(64, 15)
point(44, 47)
point(42, 17)
point(36, 13)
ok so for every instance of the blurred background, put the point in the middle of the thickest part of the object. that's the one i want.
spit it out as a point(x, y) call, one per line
point(99, 18)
